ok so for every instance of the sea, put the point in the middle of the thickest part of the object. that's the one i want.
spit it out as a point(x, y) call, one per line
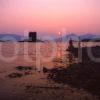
point(36, 86)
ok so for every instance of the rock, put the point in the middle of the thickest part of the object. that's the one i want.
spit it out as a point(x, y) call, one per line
point(15, 75)
point(22, 68)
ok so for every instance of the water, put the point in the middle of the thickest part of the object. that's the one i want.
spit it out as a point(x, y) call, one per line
point(38, 56)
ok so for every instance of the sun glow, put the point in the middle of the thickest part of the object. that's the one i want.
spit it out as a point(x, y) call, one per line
point(59, 33)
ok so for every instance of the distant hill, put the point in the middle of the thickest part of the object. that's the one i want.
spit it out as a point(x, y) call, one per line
point(10, 37)
point(95, 40)
point(84, 38)
point(68, 37)
point(90, 37)
point(14, 37)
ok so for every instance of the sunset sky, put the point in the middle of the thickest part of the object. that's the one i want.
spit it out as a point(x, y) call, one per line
point(50, 16)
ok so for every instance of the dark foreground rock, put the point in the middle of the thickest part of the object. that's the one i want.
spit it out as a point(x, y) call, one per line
point(15, 75)
point(23, 71)
point(23, 68)
point(84, 75)
point(79, 76)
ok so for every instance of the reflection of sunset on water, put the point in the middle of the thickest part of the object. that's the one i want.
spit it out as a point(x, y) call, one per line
point(59, 54)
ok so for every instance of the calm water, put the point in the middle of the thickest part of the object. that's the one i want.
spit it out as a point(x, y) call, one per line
point(38, 56)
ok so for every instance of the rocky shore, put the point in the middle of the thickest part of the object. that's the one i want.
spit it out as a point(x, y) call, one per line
point(84, 75)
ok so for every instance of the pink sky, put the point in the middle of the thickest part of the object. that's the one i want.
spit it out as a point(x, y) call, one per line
point(50, 16)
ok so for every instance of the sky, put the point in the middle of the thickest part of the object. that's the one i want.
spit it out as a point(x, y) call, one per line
point(48, 17)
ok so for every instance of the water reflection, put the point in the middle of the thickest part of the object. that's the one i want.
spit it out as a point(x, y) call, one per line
point(16, 87)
